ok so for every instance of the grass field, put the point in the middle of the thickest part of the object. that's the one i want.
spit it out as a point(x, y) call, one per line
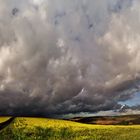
point(50, 129)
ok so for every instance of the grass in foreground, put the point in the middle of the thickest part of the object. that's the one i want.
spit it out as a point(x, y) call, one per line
point(50, 129)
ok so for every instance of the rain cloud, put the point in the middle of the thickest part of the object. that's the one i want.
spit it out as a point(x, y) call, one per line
point(68, 56)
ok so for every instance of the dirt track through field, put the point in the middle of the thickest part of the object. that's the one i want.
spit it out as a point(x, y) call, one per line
point(6, 123)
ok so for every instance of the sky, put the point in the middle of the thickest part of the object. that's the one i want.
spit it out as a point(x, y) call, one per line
point(133, 101)
point(69, 57)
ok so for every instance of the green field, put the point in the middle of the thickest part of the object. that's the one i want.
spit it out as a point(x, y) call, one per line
point(51, 129)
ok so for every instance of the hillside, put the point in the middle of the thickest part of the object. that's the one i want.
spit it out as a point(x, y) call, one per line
point(109, 120)
point(52, 129)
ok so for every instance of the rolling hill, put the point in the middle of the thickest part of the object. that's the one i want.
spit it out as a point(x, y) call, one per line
point(109, 120)
point(23, 128)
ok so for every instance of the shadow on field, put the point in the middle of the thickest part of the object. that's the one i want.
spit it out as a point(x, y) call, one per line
point(6, 123)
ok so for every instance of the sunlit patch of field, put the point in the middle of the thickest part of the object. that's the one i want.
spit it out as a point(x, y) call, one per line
point(2, 119)
point(51, 129)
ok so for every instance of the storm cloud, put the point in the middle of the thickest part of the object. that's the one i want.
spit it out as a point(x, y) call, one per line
point(68, 56)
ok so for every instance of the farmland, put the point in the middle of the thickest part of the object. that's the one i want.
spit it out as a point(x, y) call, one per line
point(2, 119)
point(52, 129)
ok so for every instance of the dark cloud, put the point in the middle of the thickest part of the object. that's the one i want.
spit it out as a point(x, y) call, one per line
point(61, 57)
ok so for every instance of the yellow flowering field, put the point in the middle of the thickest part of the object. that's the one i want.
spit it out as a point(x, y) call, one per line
point(52, 129)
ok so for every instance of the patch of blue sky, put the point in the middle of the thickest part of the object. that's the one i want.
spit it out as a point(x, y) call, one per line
point(134, 101)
